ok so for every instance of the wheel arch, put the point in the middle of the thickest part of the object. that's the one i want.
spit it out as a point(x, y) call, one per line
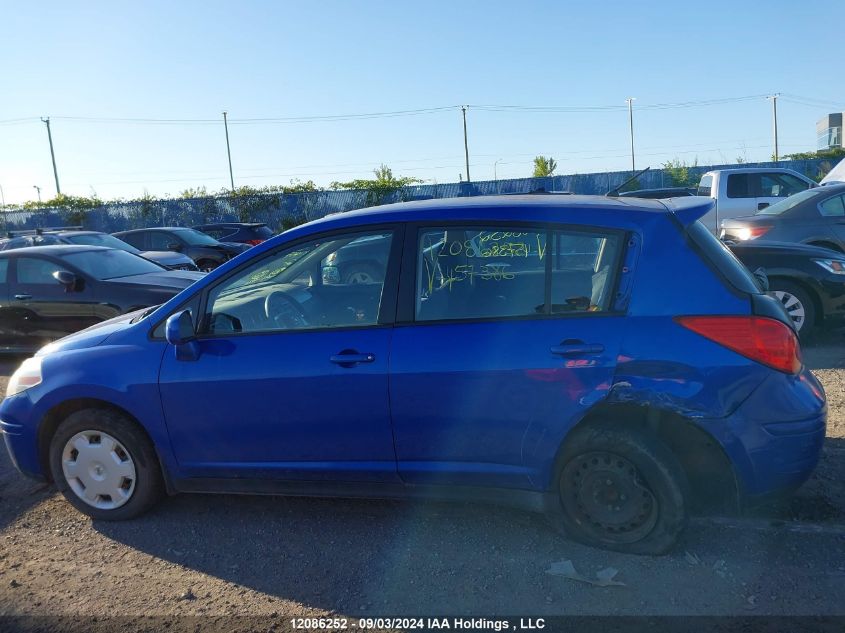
point(710, 472)
point(60, 412)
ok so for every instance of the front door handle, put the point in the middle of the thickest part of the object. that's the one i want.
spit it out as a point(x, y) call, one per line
point(576, 349)
point(762, 205)
point(351, 358)
point(23, 297)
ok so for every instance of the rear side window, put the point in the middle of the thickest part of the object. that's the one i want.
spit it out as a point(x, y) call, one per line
point(741, 186)
point(725, 262)
point(492, 272)
point(705, 186)
point(832, 207)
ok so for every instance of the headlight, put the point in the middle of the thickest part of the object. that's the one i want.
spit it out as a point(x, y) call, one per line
point(28, 375)
point(835, 266)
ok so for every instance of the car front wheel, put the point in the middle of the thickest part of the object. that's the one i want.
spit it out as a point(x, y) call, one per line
point(104, 465)
point(797, 303)
point(622, 489)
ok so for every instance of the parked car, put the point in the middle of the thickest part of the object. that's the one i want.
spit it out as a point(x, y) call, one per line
point(252, 233)
point(815, 216)
point(808, 281)
point(612, 397)
point(835, 175)
point(745, 190)
point(49, 237)
point(205, 251)
point(659, 194)
point(48, 292)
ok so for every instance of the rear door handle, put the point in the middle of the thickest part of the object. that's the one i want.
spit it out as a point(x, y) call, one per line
point(23, 297)
point(576, 349)
point(348, 359)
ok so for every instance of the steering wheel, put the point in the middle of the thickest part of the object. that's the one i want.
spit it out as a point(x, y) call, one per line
point(284, 310)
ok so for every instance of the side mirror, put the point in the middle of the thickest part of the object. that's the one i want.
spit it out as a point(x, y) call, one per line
point(67, 279)
point(179, 332)
point(174, 246)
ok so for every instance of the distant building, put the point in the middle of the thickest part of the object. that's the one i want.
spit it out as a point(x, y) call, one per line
point(829, 131)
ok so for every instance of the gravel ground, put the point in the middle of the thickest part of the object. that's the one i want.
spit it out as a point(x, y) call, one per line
point(228, 555)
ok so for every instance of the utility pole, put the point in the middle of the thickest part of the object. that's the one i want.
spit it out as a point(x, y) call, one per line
point(774, 99)
point(630, 102)
point(52, 155)
point(466, 146)
point(38, 189)
point(228, 151)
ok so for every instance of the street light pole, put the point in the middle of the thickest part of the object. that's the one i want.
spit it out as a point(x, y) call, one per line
point(774, 99)
point(52, 155)
point(630, 102)
point(228, 151)
point(495, 175)
point(38, 189)
point(466, 146)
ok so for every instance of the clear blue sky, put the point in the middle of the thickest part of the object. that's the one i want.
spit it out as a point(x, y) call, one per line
point(191, 60)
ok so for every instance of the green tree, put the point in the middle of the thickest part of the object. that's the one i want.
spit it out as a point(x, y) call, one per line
point(679, 172)
point(73, 208)
point(379, 188)
point(544, 166)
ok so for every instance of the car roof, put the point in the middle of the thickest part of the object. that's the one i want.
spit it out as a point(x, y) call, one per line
point(249, 225)
point(752, 170)
point(54, 249)
point(155, 228)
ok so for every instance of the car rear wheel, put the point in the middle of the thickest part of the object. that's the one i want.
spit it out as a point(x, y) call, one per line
point(798, 304)
point(623, 490)
point(104, 465)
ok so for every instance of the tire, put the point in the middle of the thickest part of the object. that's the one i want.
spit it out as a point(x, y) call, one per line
point(604, 464)
point(362, 274)
point(207, 265)
point(132, 478)
point(798, 303)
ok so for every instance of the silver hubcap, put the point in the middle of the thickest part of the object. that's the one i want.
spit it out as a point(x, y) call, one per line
point(360, 277)
point(793, 306)
point(99, 469)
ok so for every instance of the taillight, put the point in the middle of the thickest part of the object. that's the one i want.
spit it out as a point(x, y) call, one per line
point(761, 339)
point(254, 242)
point(752, 232)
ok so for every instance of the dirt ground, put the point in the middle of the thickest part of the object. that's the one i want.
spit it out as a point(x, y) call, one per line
point(228, 555)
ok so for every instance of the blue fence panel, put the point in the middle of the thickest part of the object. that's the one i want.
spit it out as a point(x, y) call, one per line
point(279, 211)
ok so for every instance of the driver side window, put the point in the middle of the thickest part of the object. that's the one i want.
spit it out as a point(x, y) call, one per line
point(326, 283)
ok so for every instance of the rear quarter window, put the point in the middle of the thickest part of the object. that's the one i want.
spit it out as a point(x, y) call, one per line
point(720, 257)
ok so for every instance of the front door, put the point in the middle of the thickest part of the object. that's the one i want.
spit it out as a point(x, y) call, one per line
point(43, 309)
point(291, 379)
point(511, 338)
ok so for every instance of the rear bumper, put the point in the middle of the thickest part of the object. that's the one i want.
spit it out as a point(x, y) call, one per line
point(775, 438)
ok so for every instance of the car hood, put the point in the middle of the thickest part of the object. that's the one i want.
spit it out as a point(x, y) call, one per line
point(167, 258)
point(176, 279)
point(91, 336)
point(783, 248)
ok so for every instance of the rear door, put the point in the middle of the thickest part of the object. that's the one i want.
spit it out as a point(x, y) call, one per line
point(775, 186)
point(508, 335)
point(44, 309)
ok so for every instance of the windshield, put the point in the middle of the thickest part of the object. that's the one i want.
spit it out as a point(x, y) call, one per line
point(101, 239)
point(788, 203)
point(111, 264)
point(195, 238)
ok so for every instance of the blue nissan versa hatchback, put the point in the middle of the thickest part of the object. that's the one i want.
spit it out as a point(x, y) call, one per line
point(606, 361)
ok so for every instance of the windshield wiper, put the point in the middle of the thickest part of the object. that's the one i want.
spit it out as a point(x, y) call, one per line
point(145, 314)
